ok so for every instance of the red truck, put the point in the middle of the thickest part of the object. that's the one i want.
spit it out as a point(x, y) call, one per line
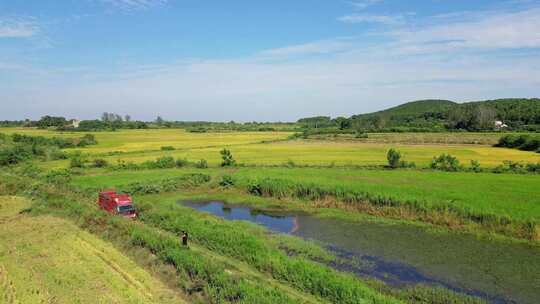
point(116, 203)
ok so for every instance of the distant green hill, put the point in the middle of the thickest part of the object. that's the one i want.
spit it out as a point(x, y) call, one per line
point(518, 114)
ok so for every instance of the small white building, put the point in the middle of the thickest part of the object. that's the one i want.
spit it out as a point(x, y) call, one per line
point(75, 123)
point(500, 125)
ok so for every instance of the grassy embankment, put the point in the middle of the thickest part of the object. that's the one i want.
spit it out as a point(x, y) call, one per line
point(47, 259)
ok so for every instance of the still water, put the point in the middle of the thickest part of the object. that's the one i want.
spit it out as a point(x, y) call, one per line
point(404, 255)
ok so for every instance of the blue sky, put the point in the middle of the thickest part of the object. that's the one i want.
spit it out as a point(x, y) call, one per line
point(260, 60)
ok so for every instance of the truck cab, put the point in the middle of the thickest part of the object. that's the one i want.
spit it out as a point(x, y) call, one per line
point(117, 203)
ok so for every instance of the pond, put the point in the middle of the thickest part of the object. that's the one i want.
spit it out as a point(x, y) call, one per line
point(405, 255)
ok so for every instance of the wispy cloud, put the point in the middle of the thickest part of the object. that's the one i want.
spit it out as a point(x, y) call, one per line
point(130, 5)
point(370, 18)
point(364, 4)
point(312, 48)
point(494, 30)
point(17, 27)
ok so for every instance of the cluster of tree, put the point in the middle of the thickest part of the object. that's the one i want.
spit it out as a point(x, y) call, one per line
point(322, 122)
point(18, 148)
point(438, 115)
point(59, 142)
point(521, 142)
point(14, 123)
point(51, 121)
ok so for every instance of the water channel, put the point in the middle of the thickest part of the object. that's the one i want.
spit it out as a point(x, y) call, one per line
point(404, 255)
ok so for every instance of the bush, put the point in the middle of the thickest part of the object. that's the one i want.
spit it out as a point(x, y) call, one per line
point(227, 181)
point(289, 164)
point(535, 168)
point(87, 140)
point(77, 161)
point(58, 177)
point(100, 163)
point(445, 162)
point(181, 162)
point(475, 166)
point(31, 170)
point(167, 185)
point(14, 155)
point(167, 148)
point(202, 164)
point(165, 162)
point(511, 167)
point(361, 135)
point(53, 153)
point(227, 158)
point(522, 142)
point(393, 157)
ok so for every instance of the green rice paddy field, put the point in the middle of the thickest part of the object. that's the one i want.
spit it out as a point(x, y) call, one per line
point(513, 195)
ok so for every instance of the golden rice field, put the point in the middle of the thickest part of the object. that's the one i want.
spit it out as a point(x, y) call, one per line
point(142, 145)
point(154, 139)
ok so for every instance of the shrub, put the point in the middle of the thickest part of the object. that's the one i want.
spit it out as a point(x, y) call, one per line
point(533, 167)
point(475, 166)
point(393, 157)
point(445, 162)
point(202, 164)
point(227, 181)
point(100, 163)
point(167, 185)
point(31, 170)
point(58, 177)
point(522, 142)
point(182, 163)
point(87, 140)
point(227, 158)
point(14, 155)
point(289, 164)
point(165, 162)
point(510, 166)
point(167, 148)
point(361, 135)
point(77, 161)
point(405, 164)
point(53, 153)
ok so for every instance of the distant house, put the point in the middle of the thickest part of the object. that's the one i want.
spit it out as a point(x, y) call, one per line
point(499, 125)
point(75, 123)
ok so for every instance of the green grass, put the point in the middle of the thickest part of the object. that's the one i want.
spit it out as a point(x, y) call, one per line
point(512, 195)
point(46, 259)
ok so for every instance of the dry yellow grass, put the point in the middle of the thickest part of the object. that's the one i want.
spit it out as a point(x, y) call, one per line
point(50, 260)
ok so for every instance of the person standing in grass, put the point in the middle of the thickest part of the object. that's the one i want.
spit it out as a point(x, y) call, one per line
point(184, 238)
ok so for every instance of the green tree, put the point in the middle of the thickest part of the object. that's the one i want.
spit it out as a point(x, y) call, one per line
point(394, 158)
point(227, 158)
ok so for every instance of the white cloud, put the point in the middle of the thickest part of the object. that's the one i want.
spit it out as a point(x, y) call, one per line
point(130, 5)
point(502, 30)
point(17, 27)
point(369, 18)
point(317, 47)
point(364, 4)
